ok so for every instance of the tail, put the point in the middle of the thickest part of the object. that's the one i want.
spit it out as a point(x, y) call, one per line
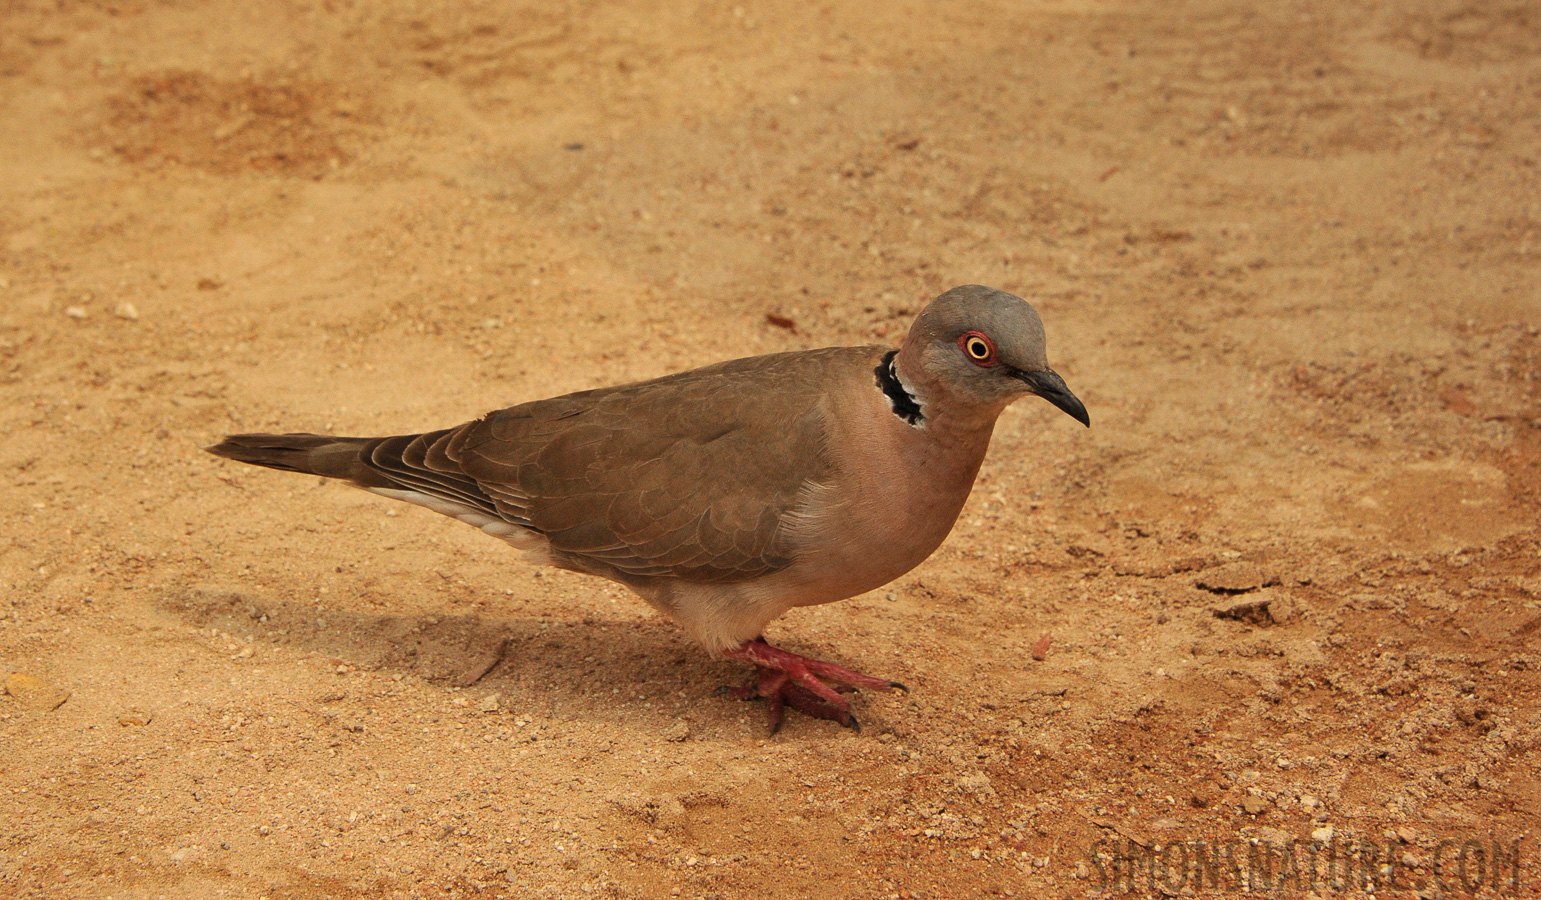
point(312, 454)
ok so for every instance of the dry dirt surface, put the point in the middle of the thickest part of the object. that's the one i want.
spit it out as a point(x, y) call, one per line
point(1288, 253)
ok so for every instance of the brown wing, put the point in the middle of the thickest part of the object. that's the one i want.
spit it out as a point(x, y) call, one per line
point(687, 476)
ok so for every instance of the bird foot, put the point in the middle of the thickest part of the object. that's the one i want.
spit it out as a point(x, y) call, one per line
point(786, 679)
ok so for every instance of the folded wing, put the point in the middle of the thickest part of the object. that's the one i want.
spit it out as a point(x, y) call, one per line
point(689, 476)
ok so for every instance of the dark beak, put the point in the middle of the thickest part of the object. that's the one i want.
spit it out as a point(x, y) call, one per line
point(1047, 384)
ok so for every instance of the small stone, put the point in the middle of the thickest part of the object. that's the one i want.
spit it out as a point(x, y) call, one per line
point(135, 716)
point(679, 731)
point(1407, 835)
point(1253, 805)
point(1281, 610)
point(1308, 801)
point(1323, 835)
point(1252, 610)
point(126, 310)
point(34, 692)
point(1236, 578)
point(411, 789)
point(491, 703)
point(76, 312)
point(977, 783)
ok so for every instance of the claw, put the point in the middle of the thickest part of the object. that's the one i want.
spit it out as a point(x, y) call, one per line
point(777, 712)
point(810, 686)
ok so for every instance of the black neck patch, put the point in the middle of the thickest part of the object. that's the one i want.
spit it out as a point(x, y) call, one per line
point(904, 405)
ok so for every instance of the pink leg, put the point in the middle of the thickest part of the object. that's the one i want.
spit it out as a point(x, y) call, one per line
point(787, 679)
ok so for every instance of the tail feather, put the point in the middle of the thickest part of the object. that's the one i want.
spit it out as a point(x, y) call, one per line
point(312, 454)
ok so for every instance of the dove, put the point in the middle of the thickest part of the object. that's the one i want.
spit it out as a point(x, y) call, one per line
point(726, 495)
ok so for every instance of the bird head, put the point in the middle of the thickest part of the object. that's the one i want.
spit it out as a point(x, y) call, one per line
point(984, 348)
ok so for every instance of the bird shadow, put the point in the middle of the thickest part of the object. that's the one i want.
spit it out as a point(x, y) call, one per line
point(584, 667)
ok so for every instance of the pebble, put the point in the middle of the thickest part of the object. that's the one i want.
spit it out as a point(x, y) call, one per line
point(135, 716)
point(1235, 578)
point(126, 310)
point(490, 703)
point(34, 692)
point(1323, 834)
point(679, 731)
point(1252, 610)
point(1253, 805)
point(975, 783)
point(1282, 610)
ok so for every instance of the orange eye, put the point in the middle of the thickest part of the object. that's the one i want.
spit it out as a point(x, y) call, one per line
point(978, 348)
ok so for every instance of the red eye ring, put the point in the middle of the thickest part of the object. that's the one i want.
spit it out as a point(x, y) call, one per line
point(978, 347)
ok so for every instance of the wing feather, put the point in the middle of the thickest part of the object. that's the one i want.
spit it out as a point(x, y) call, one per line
point(689, 476)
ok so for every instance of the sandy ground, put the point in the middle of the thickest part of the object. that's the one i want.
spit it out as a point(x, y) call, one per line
point(1288, 254)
